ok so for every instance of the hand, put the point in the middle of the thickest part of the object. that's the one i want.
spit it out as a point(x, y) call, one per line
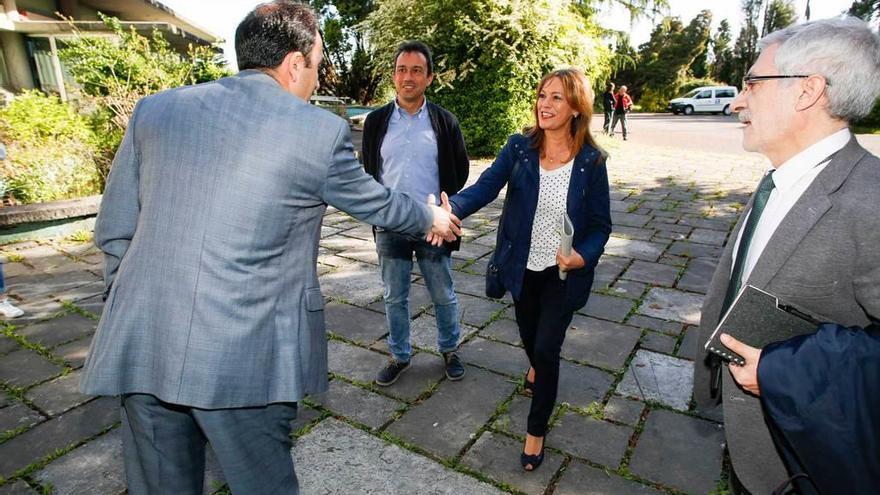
point(446, 225)
point(570, 262)
point(747, 375)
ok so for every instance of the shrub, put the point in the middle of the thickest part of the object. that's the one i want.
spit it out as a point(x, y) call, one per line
point(52, 152)
point(490, 55)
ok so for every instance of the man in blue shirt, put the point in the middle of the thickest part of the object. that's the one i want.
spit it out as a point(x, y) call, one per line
point(414, 146)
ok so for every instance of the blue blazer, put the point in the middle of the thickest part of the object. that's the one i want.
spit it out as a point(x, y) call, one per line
point(587, 205)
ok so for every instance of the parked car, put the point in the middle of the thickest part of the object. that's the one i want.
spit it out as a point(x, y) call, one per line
point(715, 99)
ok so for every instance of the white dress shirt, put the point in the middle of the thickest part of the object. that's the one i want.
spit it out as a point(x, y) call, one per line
point(791, 179)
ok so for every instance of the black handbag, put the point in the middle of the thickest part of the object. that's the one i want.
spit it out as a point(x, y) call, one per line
point(494, 287)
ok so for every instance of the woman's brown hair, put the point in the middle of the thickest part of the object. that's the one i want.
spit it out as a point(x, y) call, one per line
point(579, 95)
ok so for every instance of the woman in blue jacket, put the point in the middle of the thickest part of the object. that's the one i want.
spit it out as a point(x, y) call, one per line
point(553, 168)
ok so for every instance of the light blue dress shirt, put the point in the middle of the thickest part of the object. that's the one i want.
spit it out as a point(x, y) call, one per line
point(409, 154)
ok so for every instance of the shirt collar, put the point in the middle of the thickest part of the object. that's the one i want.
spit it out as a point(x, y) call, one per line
point(790, 172)
point(400, 112)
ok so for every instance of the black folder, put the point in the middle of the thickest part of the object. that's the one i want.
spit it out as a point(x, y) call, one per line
point(758, 318)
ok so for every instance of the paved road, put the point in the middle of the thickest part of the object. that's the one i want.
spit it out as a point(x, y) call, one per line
point(715, 133)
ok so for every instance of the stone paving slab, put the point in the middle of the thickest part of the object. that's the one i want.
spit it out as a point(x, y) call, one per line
point(598, 342)
point(698, 274)
point(582, 479)
point(659, 378)
point(624, 410)
point(631, 248)
point(580, 385)
point(353, 362)
point(504, 330)
point(502, 358)
point(651, 273)
point(357, 283)
point(514, 420)
point(42, 440)
point(498, 457)
point(591, 439)
point(373, 466)
point(25, 367)
point(669, 304)
point(658, 342)
point(18, 415)
point(50, 333)
point(607, 307)
point(354, 323)
point(59, 395)
point(358, 404)
point(679, 451)
point(73, 353)
point(445, 422)
point(96, 467)
point(17, 488)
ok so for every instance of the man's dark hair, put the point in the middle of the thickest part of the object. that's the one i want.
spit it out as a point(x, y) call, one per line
point(415, 46)
point(609, 86)
point(271, 31)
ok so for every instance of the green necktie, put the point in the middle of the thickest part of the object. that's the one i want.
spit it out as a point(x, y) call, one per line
point(761, 196)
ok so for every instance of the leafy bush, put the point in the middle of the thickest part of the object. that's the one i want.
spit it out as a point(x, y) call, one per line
point(490, 55)
point(119, 71)
point(52, 152)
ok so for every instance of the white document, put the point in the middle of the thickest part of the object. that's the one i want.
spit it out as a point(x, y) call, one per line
point(567, 235)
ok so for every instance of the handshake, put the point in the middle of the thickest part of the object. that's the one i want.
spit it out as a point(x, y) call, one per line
point(446, 226)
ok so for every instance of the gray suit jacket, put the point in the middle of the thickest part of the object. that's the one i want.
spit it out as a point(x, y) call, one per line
point(825, 256)
point(210, 224)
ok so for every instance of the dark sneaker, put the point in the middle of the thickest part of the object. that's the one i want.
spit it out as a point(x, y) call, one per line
point(391, 372)
point(454, 368)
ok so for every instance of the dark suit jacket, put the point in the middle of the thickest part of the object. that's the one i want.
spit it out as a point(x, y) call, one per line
point(587, 205)
point(823, 257)
point(821, 394)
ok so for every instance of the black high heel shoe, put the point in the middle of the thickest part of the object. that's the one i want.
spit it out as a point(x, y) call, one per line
point(528, 387)
point(532, 462)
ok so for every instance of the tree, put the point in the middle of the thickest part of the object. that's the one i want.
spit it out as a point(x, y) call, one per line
point(745, 51)
point(778, 14)
point(722, 54)
point(665, 59)
point(867, 10)
point(349, 70)
point(490, 55)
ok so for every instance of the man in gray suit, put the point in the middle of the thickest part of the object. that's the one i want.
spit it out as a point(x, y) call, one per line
point(214, 326)
point(810, 233)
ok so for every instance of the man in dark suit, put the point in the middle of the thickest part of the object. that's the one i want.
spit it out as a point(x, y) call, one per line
point(810, 233)
point(214, 322)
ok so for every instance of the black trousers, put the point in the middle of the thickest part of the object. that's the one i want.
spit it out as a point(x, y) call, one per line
point(542, 323)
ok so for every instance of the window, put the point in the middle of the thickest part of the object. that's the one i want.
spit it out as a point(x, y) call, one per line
point(704, 94)
point(724, 93)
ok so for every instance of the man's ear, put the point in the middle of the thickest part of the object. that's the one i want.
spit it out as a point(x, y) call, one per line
point(812, 90)
point(292, 64)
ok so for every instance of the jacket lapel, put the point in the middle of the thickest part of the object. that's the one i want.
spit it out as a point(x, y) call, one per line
point(811, 206)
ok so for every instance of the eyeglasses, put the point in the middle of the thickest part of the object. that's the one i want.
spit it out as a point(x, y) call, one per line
point(750, 81)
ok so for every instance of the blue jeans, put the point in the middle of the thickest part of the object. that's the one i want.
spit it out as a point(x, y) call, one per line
point(395, 259)
point(2, 281)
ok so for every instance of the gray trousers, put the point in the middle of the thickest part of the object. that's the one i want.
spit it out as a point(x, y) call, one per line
point(621, 117)
point(164, 447)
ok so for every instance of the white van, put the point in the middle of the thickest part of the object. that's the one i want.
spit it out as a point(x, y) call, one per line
point(715, 99)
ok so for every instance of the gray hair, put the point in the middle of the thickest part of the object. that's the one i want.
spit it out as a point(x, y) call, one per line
point(843, 50)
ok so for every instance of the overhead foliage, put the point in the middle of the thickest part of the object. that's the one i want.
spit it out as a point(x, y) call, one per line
point(490, 55)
